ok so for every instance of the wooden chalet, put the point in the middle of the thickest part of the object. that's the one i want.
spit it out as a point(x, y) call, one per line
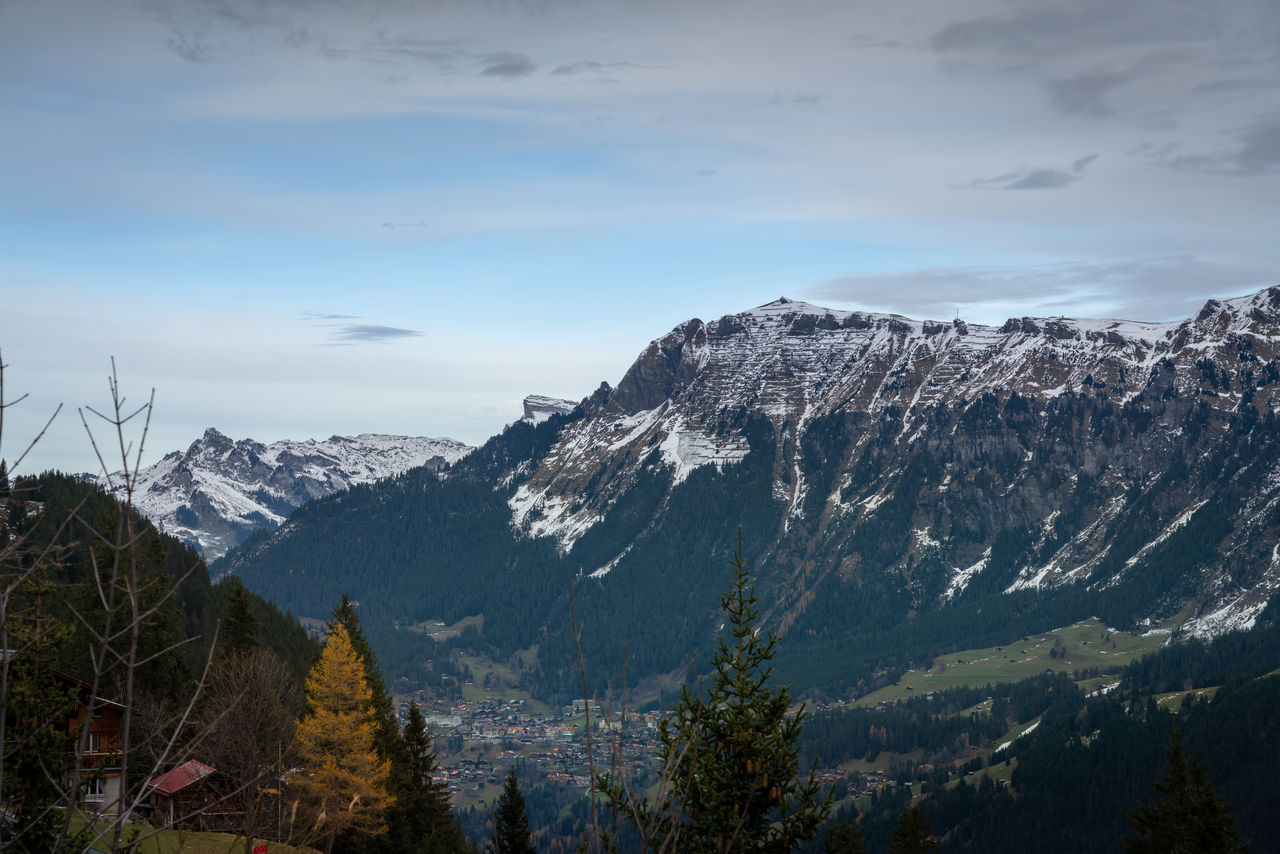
point(94, 725)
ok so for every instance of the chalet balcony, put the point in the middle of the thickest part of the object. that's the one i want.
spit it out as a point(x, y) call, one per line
point(97, 761)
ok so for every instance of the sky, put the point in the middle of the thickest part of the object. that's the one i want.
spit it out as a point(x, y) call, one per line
point(301, 218)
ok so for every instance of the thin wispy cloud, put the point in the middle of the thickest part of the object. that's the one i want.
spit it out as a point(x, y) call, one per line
point(362, 332)
point(1038, 178)
point(802, 98)
point(342, 332)
point(588, 66)
point(507, 65)
point(1254, 151)
point(1085, 94)
point(868, 41)
point(311, 315)
point(1037, 31)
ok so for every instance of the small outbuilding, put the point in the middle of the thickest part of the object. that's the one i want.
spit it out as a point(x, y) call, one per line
point(186, 795)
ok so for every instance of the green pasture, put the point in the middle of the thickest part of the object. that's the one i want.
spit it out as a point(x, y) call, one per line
point(152, 841)
point(1085, 645)
point(503, 686)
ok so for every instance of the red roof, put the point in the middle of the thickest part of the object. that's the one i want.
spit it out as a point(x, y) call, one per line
point(179, 778)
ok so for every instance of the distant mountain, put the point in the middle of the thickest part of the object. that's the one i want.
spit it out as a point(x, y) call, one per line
point(903, 486)
point(220, 490)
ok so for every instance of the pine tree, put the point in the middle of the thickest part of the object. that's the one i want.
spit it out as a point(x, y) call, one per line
point(729, 757)
point(422, 819)
point(1189, 817)
point(239, 627)
point(35, 707)
point(344, 782)
point(913, 835)
point(845, 837)
point(511, 821)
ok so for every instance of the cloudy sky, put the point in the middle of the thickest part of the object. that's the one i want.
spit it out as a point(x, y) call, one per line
point(295, 218)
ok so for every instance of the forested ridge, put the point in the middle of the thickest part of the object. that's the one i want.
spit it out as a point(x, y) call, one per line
point(37, 508)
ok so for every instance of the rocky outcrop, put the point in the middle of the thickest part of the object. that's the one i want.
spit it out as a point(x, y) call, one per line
point(538, 408)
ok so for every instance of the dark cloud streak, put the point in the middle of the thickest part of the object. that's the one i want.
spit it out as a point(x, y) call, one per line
point(1085, 94)
point(343, 334)
point(1075, 27)
point(590, 66)
point(1038, 178)
point(1256, 152)
point(508, 65)
point(363, 333)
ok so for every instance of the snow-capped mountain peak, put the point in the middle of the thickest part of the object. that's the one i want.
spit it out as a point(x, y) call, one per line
point(220, 489)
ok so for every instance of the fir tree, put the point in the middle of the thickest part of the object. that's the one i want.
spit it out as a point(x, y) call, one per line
point(845, 837)
point(36, 743)
point(510, 821)
point(344, 781)
point(422, 820)
point(1190, 817)
point(729, 757)
point(239, 627)
point(913, 835)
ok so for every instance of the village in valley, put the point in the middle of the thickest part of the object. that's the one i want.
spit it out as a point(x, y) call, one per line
point(476, 741)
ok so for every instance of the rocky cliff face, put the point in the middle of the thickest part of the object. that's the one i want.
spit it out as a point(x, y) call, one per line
point(220, 490)
point(1056, 435)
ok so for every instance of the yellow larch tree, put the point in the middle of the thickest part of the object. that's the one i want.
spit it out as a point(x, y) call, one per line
point(343, 783)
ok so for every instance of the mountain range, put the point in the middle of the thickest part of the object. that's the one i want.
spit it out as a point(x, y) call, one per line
point(220, 490)
point(903, 487)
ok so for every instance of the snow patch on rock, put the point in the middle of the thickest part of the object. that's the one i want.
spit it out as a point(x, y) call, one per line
point(960, 578)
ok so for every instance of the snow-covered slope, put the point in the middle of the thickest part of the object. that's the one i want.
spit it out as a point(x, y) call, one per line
point(538, 408)
point(795, 362)
point(218, 491)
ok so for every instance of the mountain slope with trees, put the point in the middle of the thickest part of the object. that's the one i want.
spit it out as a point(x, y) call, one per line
point(907, 488)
